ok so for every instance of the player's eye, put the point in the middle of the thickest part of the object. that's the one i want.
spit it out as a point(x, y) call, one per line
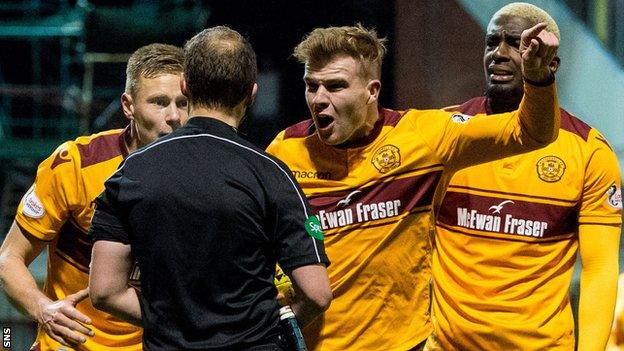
point(182, 103)
point(514, 42)
point(336, 86)
point(160, 101)
point(491, 42)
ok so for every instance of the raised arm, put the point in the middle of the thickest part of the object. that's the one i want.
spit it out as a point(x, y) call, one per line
point(539, 115)
point(60, 319)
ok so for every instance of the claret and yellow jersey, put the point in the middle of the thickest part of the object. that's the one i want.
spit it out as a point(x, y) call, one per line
point(374, 202)
point(507, 240)
point(58, 208)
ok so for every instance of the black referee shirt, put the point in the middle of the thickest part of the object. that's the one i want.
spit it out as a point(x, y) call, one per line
point(207, 215)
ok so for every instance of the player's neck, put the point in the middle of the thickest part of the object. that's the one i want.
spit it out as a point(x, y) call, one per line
point(366, 133)
point(498, 105)
point(131, 139)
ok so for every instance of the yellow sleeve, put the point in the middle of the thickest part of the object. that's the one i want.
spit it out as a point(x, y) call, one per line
point(599, 246)
point(461, 140)
point(56, 191)
point(601, 200)
point(599, 236)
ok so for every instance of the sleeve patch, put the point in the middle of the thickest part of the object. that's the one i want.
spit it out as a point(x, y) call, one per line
point(460, 118)
point(313, 227)
point(614, 197)
point(32, 206)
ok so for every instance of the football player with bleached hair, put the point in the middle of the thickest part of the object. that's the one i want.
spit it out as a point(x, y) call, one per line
point(508, 231)
point(381, 168)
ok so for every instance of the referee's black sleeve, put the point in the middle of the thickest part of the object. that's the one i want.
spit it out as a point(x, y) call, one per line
point(296, 246)
point(107, 222)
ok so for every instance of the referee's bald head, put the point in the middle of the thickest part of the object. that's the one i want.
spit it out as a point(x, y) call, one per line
point(220, 69)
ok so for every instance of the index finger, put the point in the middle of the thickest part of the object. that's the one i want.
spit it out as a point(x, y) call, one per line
point(531, 33)
point(79, 295)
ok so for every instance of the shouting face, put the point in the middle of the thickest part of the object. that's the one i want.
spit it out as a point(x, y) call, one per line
point(341, 99)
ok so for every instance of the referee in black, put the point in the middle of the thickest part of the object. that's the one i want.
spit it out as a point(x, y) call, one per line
point(207, 215)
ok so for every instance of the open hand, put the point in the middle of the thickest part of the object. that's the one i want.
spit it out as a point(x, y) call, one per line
point(538, 47)
point(63, 322)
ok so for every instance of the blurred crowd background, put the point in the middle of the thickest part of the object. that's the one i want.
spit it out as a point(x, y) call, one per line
point(62, 68)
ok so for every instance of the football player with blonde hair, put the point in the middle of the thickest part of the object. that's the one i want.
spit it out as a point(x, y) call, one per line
point(508, 231)
point(56, 212)
point(370, 174)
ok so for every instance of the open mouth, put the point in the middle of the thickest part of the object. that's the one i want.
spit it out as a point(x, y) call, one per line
point(324, 120)
point(497, 77)
point(500, 75)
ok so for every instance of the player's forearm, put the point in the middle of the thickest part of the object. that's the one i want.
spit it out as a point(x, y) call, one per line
point(20, 287)
point(596, 305)
point(599, 275)
point(123, 305)
point(539, 113)
point(307, 310)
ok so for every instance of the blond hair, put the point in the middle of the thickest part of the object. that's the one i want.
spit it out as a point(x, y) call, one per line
point(530, 12)
point(362, 44)
point(151, 61)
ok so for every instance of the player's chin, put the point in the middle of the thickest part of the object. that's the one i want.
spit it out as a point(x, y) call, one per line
point(506, 90)
point(329, 137)
point(334, 142)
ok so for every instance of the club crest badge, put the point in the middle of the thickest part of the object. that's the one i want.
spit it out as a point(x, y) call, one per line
point(550, 169)
point(386, 158)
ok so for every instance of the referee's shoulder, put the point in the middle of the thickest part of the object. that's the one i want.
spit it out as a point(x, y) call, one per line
point(156, 145)
point(268, 162)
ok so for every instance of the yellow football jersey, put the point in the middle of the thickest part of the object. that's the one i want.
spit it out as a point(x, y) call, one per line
point(507, 239)
point(374, 202)
point(58, 208)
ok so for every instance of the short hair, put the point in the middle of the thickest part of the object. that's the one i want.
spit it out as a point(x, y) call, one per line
point(530, 12)
point(220, 68)
point(362, 44)
point(151, 61)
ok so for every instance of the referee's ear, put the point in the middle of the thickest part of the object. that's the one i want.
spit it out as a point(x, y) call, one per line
point(254, 92)
point(183, 87)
